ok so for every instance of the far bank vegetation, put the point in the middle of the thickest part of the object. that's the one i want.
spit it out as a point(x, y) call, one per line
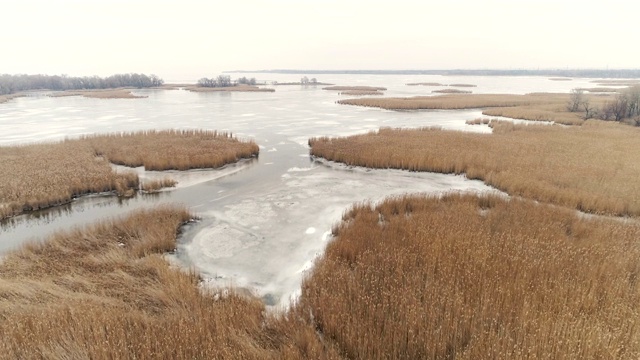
point(361, 92)
point(10, 84)
point(451, 91)
point(224, 83)
point(568, 109)
point(43, 175)
point(592, 168)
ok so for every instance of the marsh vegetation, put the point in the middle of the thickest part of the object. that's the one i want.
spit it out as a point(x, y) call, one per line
point(412, 277)
point(534, 106)
point(10, 84)
point(588, 168)
point(100, 94)
point(43, 175)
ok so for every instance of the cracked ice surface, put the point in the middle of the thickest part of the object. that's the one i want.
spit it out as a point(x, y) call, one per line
point(265, 243)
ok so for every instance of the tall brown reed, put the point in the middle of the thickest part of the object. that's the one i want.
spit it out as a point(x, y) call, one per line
point(100, 94)
point(43, 175)
point(535, 106)
point(469, 277)
point(105, 292)
point(172, 149)
point(590, 168)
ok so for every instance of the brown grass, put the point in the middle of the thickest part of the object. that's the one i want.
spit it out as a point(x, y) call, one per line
point(467, 277)
point(617, 82)
point(100, 94)
point(152, 186)
point(591, 168)
point(5, 98)
point(354, 88)
point(480, 121)
point(600, 89)
point(361, 92)
point(238, 88)
point(43, 175)
point(105, 292)
point(535, 106)
point(451, 91)
point(426, 84)
point(463, 85)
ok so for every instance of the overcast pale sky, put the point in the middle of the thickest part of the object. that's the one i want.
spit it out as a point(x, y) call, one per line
point(189, 39)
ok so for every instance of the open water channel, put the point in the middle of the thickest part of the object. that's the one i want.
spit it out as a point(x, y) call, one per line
point(264, 221)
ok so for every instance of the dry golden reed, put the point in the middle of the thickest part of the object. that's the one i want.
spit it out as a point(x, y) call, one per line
point(361, 92)
point(5, 98)
point(480, 121)
point(535, 106)
point(172, 149)
point(451, 91)
point(362, 88)
point(469, 277)
point(155, 185)
point(43, 175)
point(100, 94)
point(105, 292)
point(463, 85)
point(616, 82)
point(592, 168)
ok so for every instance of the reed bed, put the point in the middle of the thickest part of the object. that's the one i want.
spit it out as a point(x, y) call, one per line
point(100, 94)
point(617, 82)
point(451, 91)
point(466, 277)
point(600, 89)
point(534, 106)
point(351, 88)
point(480, 121)
point(361, 92)
point(591, 168)
point(152, 186)
point(5, 98)
point(463, 85)
point(172, 149)
point(105, 292)
point(238, 88)
point(44, 175)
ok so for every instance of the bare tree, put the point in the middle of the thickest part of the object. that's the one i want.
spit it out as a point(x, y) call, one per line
point(576, 98)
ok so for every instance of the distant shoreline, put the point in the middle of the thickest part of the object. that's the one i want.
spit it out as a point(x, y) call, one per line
point(580, 73)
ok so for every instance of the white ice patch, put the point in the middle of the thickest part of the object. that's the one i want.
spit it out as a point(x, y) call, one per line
point(299, 169)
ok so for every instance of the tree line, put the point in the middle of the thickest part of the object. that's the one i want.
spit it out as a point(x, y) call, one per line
point(10, 84)
point(225, 81)
point(625, 106)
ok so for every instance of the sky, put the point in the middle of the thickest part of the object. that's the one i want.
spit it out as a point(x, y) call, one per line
point(189, 39)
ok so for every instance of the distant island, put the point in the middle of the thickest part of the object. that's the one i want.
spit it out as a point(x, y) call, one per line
point(579, 73)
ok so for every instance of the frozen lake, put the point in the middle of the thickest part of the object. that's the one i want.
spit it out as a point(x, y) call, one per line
point(263, 221)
